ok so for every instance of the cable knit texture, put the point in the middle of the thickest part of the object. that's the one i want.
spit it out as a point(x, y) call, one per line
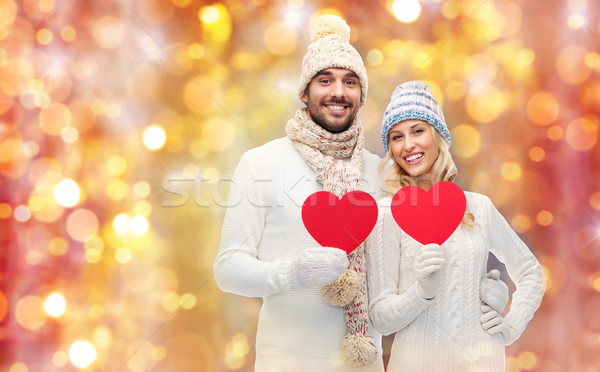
point(445, 333)
point(262, 234)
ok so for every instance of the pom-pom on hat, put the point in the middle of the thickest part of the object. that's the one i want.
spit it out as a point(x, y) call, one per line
point(330, 48)
point(413, 100)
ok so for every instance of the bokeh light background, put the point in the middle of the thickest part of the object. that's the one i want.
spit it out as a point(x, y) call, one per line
point(121, 121)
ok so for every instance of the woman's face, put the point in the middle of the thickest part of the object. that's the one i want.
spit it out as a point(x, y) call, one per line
point(413, 147)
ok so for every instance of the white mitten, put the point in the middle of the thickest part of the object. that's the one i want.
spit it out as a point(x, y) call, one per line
point(493, 322)
point(316, 267)
point(493, 291)
point(428, 265)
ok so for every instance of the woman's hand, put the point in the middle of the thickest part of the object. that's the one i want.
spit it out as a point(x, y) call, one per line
point(428, 264)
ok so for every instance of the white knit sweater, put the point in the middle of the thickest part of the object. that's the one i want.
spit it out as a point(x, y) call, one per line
point(445, 333)
point(297, 329)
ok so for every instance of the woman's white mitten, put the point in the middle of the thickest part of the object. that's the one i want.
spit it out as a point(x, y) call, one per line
point(493, 322)
point(317, 266)
point(428, 264)
point(493, 291)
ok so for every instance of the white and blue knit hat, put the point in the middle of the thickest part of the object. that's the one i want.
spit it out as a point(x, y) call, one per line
point(413, 100)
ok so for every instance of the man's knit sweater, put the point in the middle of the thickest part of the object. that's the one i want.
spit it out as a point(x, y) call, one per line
point(445, 333)
point(297, 329)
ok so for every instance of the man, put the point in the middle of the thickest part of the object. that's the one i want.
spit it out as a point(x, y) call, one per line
point(314, 312)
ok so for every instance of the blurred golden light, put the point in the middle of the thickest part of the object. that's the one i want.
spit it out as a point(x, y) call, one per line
point(182, 3)
point(406, 11)
point(93, 255)
point(187, 301)
point(54, 118)
point(582, 133)
point(31, 149)
point(145, 83)
point(121, 223)
point(520, 223)
point(158, 353)
point(123, 255)
point(555, 133)
point(102, 336)
point(576, 21)
point(511, 171)
point(422, 59)
point(58, 246)
point(218, 134)
point(480, 69)
point(484, 104)
point(5, 210)
point(155, 11)
point(374, 57)
point(196, 51)
point(592, 60)
point(537, 154)
point(67, 193)
point(200, 92)
point(69, 135)
point(466, 141)
point(595, 200)
point(240, 345)
point(18, 367)
point(82, 353)
point(33, 257)
point(209, 14)
point(22, 213)
point(82, 225)
point(280, 39)
point(96, 311)
point(29, 312)
point(142, 208)
point(68, 33)
point(154, 137)
point(60, 358)
point(108, 32)
point(451, 9)
point(152, 49)
point(116, 165)
point(139, 225)
point(455, 90)
point(170, 302)
point(46, 6)
point(571, 66)
point(544, 218)
point(55, 304)
point(595, 281)
point(141, 189)
point(44, 36)
point(542, 108)
point(3, 306)
point(117, 189)
point(527, 360)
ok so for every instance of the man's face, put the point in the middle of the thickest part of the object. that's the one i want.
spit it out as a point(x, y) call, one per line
point(333, 99)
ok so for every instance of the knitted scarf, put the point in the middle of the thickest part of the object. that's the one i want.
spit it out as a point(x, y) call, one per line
point(327, 154)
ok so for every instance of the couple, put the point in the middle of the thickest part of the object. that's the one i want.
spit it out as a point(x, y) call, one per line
point(325, 311)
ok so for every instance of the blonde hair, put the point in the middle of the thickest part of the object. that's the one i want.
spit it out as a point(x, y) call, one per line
point(443, 169)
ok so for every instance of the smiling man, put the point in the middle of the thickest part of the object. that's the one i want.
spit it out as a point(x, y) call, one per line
point(314, 312)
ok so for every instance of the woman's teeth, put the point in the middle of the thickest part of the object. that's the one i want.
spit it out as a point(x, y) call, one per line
point(414, 157)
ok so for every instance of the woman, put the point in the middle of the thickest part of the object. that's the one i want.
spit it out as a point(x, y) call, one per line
point(429, 295)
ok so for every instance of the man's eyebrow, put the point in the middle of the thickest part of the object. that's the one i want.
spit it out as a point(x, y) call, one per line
point(328, 73)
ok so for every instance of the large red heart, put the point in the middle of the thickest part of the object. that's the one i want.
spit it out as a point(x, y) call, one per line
point(341, 223)
point(432, 216)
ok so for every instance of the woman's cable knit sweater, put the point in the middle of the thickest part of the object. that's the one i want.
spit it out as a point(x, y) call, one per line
point(297, 329)
point(445, 333)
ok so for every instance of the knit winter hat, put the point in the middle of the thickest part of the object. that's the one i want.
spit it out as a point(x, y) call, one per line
point(413, 100)
point(330, 48)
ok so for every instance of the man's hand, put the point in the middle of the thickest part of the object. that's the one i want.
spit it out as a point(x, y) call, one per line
point(317, 267)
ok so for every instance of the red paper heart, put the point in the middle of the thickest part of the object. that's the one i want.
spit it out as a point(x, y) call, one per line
point(432, 216)
point(341, 223)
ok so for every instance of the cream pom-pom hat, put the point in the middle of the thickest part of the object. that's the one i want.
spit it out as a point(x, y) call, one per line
point(330, 48)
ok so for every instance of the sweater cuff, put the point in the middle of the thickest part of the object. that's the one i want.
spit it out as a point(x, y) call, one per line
point(285, 274)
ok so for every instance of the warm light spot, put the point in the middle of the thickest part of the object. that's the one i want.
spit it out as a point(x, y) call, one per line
point(209, 14)
point(555, 133)
point(68, 34)
point(218, 134)
point(576, 21)
point(154, 137)
point(182, 3)
point(542, 108)
point(67, 193)
point(526, 57)
point(455, 90)
point(82, 225)
point(31, 149)
point(96, 311)
point(485, 104)
point(520, 223)
point(69, 134)
point(108, 32)
point(466, 141)
point(116, 165)
point(280, 39)
point(121, 223)
point(54, 118)
point(5, 210)
point(55, 305)
point(60, 358)
point(595, 279)
point(22, 213)
point(582, 134)
point(527, 360)
point(595, 200)
point(451, 9)
point(141, 189)
point(544, 218)
point(139, 225)
point(170, 302)
point(29, 312)
point(102, 337)
point(46, 6)
point(571, 65)
point(196, 96)
point(117, 189)
point(18, 367)
point(82, 353)
point(236, 351)
point(511, 171)
point(33, 257)
point(44, 36)
point(537, 154)
point(374, 57)
point(196, 51)
point(123, 255)
point(3, 306)
point(58, 246)
point(187, 301)
point(158, 353)
point(592, 60)
point(406, 11)
point(142, 208)
point(36, 203)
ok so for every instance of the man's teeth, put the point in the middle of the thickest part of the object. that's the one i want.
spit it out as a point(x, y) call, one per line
point(414, 157)
point(336, 108)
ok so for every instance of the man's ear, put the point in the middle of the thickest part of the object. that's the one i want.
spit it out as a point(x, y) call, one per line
point(304, 97)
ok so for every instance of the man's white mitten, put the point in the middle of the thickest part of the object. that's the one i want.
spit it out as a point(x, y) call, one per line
point(428, 265)
point(317, 266)
point(493, 291)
